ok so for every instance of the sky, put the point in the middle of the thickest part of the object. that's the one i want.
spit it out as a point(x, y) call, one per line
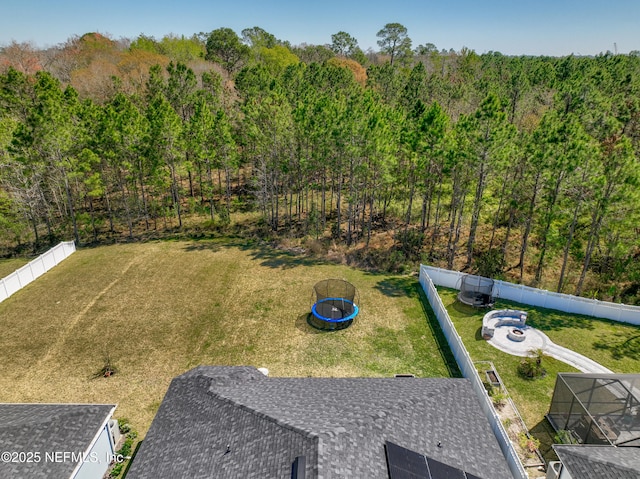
point(512, 27)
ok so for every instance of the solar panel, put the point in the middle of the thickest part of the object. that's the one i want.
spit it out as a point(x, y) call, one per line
point(440, 470)
point(404, 463)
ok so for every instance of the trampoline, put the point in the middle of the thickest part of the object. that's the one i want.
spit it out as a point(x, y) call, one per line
point(476, 291)
point(334, 306)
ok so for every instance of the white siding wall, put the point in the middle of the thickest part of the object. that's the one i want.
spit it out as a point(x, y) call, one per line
point(98, 458)
point(564, 474)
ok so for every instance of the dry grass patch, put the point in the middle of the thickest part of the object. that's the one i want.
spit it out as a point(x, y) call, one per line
point(158, 309)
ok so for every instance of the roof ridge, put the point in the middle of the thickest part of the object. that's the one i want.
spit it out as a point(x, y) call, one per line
point(317, 439)
point(260, 414)
point(580, 451)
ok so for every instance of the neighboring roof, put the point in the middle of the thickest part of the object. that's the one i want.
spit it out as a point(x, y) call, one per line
point(48, 428)
point(233, 422)
point(600, 462)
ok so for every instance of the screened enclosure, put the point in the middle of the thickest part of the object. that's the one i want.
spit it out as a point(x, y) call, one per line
point(597, 408)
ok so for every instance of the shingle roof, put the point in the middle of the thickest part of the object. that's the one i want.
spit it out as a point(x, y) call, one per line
point(600, 462)
point(47, 428)
point(339, 424)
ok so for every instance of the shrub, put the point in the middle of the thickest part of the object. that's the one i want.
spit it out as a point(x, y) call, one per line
point(396, 262)
point(126, 449)
point(499, 399)
point(528, 443)
point(564, 437)
point(313, 224)
point(124, 426)
point(410, 242)
point(490, 264)
point(315, 246)
point(531, 367)
point(224, 218)
point(108, 370)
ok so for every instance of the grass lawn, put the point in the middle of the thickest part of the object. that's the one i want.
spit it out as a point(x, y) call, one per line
point(614, 345)
point(158, 309)
point(8, 266)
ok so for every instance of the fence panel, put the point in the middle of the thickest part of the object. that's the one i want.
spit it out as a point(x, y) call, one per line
point(587, 307)
point(468, 369)
point(48, 260)
point(514, 292)
point(35, 268)
point(627, 314)
point(12, 283)
point(69, 248)
point(25, 274)
point(58, 253)
point(556, 301)
point(446, 278)
point(545, 299)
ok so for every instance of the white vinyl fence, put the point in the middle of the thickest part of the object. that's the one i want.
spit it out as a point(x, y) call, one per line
point(543, 298)
point(469, 371)
point(35, 268)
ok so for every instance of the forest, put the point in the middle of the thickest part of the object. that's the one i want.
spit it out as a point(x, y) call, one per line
point(518, 168)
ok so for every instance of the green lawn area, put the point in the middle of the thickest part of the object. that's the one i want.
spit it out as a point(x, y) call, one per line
point(8, 266)
point(614, 345)
point(160, 308)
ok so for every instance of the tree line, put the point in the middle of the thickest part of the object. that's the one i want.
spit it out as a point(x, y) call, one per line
point(518, 167)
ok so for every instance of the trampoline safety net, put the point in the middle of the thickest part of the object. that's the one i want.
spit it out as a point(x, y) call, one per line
point(334, 288)
point(334, 306)
point(476, 290)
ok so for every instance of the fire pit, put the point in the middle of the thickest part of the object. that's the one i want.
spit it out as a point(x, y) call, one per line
point(516, 334)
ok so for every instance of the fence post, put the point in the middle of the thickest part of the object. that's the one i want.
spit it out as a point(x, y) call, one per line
point(6, 291)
